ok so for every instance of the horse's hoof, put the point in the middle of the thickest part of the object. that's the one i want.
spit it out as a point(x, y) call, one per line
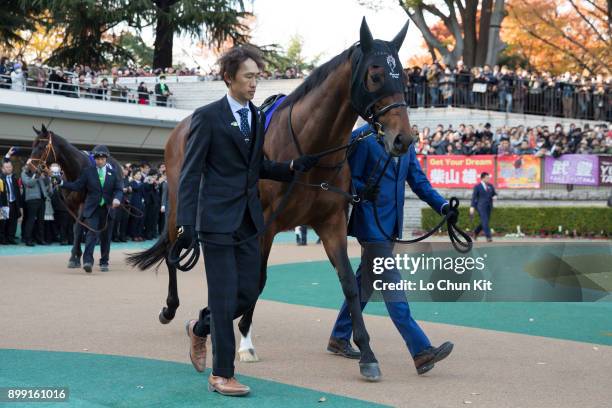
point(72, 264)
point(162, 317)
point(248, 356)
point(370, 371)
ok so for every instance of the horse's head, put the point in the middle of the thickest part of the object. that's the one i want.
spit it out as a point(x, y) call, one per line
point(377, 89)
point(43, 152)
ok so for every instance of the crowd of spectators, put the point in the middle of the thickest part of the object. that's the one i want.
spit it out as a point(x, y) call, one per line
point(81, 81)
point(539, 141)
point(29, 196)
point(571, 95)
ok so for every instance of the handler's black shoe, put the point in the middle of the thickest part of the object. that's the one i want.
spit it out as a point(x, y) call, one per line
point(87, 267)
point(103, 268)
point(342, 348)
point(426, 359)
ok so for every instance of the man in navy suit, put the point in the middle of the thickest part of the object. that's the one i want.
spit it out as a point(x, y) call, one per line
point(104, 189)
point(482, 201)
point(8, 227)
point(218, 198)
point(389, 199)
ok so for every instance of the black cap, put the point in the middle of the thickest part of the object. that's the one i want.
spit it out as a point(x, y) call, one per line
point(100, 150)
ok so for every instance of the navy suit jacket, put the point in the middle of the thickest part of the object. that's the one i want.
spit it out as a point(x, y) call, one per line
point(137, 196)
point(218, 181)
point(481, 199)
point(89, 183)
point(390, 202)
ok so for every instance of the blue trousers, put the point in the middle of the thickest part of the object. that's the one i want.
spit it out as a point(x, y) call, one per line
point(396, 302)
point(485, 214)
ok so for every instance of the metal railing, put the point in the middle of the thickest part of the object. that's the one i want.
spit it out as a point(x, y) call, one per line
point(583, 103)
point(88, 91)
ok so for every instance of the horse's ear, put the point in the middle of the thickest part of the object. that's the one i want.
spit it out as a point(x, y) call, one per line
point(36, 131)
point(43, 129)
point(365, 37)
point(399, 38)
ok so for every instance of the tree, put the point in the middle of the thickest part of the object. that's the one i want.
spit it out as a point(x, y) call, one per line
point(40, 42)
point(472, 24)
point(16, 16)
point(140, 52)
point(560, 36)
point(213, 20)
point(88, 29)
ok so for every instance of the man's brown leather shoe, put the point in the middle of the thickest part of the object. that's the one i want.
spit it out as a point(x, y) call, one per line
point(425, 360)
point(197, 349)
point(227, 386)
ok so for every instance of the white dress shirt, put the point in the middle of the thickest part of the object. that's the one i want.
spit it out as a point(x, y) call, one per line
point(235, 106)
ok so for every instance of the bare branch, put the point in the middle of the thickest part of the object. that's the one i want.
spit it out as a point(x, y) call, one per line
point(419, 20)
point(587, 21)
point(568, 38)
point(436, 12)
point(597, 6)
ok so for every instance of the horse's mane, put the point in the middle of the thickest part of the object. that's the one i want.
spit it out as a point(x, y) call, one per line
point(317, 77)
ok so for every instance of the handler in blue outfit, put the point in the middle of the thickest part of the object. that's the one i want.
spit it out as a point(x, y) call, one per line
point(482, 201)
point(104, 189)
point(389, 198)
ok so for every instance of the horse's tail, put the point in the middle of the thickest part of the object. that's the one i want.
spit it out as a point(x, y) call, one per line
point(154, 255)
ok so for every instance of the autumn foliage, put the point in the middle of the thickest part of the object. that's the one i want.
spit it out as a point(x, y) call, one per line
point(559, 36)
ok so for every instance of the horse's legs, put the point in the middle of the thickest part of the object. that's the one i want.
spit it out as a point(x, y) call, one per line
point(333, 236)
point(75, 252)
point(245, 325)
point(172, 301)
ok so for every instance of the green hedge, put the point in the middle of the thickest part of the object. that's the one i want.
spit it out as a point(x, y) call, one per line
point(587, 221)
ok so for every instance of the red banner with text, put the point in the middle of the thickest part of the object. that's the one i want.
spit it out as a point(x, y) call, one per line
point(459, 171)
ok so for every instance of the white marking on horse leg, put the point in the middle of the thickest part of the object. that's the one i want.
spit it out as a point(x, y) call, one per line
point(246, 342)
point(246, 352)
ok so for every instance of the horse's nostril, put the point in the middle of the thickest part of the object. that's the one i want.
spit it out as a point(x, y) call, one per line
point(397, 143)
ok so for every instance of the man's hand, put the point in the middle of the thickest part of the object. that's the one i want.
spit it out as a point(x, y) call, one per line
point(453, 214)
point(11, 152)
point(304, 163)
point(185, 237)
point(116, 203)
point(162, 209)
point(370, 192)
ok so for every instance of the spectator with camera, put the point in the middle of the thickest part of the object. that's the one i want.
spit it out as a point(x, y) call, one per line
point(36, 192)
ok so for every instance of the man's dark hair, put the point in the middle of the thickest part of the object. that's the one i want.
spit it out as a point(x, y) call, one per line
point(483, 175)
point(231, 60)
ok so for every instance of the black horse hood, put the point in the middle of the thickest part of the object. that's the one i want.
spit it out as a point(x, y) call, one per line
point(382, 54)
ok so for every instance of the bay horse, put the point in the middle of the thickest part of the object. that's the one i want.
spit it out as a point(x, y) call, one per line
point(49, 147)
point(362, 81)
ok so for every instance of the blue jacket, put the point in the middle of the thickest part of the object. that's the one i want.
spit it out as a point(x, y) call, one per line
point(390, 203)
